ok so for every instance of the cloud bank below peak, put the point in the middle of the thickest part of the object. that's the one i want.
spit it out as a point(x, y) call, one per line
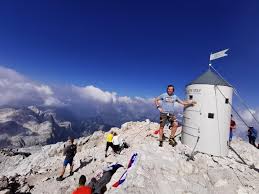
point(89, 101)
point(18, 90)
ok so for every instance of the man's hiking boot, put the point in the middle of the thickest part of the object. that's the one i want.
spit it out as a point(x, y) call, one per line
point(71, 173)
point(172, 141)
point(160, 143)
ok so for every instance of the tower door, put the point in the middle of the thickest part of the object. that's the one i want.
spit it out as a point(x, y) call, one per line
point(191, 124)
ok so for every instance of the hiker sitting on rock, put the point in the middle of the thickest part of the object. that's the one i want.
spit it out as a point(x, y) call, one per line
point(116, 143)
point(69, 152)
point(82, 189)
point(123, 144)
point(165, 103)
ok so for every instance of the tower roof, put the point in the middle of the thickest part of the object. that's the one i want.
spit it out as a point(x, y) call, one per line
point(210, 78)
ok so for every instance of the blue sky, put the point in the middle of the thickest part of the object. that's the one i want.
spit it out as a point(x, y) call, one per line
point(134, 48)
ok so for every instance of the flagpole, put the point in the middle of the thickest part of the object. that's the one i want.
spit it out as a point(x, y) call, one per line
point(210, 61)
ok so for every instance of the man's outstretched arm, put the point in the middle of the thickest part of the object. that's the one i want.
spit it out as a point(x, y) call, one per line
point(158, 104)
point(186, 102)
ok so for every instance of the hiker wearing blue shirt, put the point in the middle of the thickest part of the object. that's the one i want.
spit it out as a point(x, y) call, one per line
point(252, 135)
point(165, 103)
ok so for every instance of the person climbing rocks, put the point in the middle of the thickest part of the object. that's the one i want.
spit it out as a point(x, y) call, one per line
point(165, 103)
point(82, 189)
point(232, 128)
point(69, 152)
point(109, 142)
point(252, 135)
point(116, 143)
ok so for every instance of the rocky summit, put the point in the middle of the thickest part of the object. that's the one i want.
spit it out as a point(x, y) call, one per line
point(158, 170)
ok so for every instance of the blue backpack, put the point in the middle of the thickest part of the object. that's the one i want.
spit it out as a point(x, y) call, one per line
point(253, 132)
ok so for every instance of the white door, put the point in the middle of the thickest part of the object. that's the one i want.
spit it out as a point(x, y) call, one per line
point(191, 124)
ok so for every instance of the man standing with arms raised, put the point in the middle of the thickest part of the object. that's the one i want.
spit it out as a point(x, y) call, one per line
point(165, 103)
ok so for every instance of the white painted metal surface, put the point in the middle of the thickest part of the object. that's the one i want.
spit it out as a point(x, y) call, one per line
point(209, 118)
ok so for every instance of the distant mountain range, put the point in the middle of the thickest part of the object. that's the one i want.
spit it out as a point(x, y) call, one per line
point(27, 126)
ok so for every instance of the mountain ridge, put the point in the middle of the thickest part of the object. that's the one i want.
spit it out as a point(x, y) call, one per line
point(28, 126)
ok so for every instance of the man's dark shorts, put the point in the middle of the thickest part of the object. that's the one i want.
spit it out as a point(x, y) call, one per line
point(68, 161)
point(164, 117)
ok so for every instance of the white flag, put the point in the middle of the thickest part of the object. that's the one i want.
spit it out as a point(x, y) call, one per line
point(218, 54)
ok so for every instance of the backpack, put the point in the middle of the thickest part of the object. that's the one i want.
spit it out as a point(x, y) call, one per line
point(253, 132)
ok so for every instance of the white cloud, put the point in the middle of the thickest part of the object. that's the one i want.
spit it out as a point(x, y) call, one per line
point(44, 89)
point(52, 101)
point(125, 99)
point(93, 93)
point(9, 74)
point(246, 117)
point(16, 89)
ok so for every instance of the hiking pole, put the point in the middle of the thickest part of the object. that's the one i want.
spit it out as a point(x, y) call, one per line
point(191, 156)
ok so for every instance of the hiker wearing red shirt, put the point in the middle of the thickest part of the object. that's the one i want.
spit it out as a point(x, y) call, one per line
point(82, 189)
point(232, 127)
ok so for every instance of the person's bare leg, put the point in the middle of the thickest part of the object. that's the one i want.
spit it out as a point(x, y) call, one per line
point(161, 132)
point(71, 167)
point(63, 171)
point(174, 129)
